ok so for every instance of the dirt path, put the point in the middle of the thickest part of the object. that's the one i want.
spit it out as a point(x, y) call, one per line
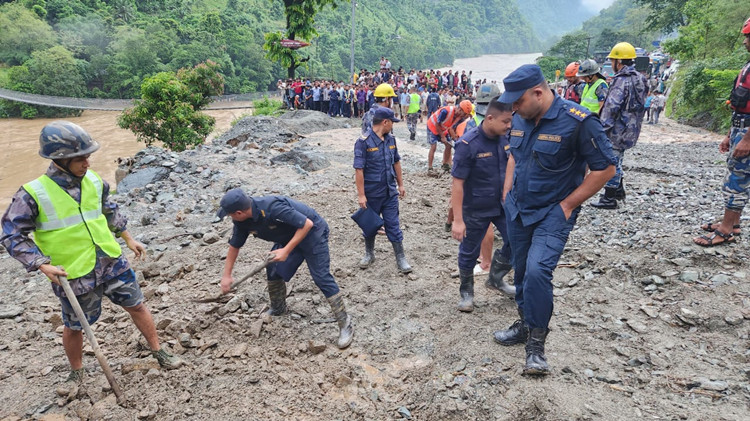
point(646, 325)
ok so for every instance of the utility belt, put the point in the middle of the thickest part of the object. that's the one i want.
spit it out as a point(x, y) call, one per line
point(740, 121)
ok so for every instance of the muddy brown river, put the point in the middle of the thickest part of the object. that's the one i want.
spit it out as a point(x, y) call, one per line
point(19, 141)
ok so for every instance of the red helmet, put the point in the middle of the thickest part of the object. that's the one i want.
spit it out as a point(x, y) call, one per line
point(746, 27)
point(572, 69)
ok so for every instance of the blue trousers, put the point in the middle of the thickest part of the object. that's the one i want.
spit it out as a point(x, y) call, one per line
point(536, 250)
point(387, 208)
point(334, 109)
point(614, 182)
point(476, 228)
point(736, 188)
point(313, 250)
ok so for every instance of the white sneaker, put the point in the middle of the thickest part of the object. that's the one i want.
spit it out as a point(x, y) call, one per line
point(479, 271)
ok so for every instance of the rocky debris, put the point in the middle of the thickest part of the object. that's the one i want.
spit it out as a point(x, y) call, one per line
point(306, 121)
point(262, 131)
point(316, 347)
point(304, 157)
point(9, 311)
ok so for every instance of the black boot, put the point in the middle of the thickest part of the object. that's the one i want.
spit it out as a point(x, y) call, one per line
point(536, 363)
point(620, 191)
point(403, 265)
point(277, 294)
point(499, 268)
point(346, 331)
point(412, 136)
point(607, 199)
point(467, 290)
point(517, 333)
point(369, 253)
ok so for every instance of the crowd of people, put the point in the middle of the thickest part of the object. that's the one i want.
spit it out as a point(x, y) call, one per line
point(355, 98)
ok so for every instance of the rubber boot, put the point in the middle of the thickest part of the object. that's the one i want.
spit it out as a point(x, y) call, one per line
point(536, 362)
point(607, 199)
point(467, 291)
point(369, 253)
point(403, 265)
point(277, 294)
point(344, 320)
point(499, 268)
point(620, 191)
point(517, 333)
point(412, 136)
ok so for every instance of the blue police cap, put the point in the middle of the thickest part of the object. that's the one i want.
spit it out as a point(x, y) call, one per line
point(234, 200)
point(521, 79)
point(383, 113)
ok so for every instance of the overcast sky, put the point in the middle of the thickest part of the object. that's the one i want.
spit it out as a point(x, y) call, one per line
point(597, 5)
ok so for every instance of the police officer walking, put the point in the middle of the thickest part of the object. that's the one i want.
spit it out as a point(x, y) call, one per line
point(479, 167)
point(72, 220)
point(380, 183)
point(299, 234)
point(622, 117)
point(551, 143)
point(736, 186)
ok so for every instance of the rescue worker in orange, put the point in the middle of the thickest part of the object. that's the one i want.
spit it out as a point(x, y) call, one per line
point(574, 90)
point(440, 129)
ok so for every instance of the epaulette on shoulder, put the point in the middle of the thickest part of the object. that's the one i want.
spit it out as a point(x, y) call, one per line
point(468, 137)
point(576, 111)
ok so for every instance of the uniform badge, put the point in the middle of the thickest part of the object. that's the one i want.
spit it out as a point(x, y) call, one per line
point(372, 149)
point(392, 147)
point(550, 137)
point(484, 155)
point(516, 133)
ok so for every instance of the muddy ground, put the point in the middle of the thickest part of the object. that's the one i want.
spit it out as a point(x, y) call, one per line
point(646, 324)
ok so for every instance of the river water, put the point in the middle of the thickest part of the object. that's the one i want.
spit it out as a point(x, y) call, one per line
point(19, 139)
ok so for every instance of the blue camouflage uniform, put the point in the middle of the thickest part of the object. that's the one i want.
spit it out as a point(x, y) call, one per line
point(480, 161)
point(367, 119)
point(622, 114)
point(376, 157)
point(277, 219)
point(550, 162)
point(736, 187)
point(111, 276)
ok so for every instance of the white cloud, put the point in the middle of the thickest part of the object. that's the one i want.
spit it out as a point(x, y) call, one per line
point(597, 5)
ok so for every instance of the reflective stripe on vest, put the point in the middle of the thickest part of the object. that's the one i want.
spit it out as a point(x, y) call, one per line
point(68, 231)
point(432, 122)
point(589, 99)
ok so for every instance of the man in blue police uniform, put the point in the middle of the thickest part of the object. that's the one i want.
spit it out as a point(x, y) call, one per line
point(476, 198)
point(298, 234)
point(380, 184)
point(551, 142)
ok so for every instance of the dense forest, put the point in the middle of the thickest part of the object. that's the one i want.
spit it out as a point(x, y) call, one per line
point(552, 18)
point(105, 48)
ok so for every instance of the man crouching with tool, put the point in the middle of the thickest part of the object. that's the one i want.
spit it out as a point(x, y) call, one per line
point(298, 234)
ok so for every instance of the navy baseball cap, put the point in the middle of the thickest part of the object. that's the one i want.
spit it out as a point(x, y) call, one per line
point(521, 79)
point(234, 200)
point(383, 113)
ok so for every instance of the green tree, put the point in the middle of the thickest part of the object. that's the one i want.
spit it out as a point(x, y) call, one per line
point(300, 20)
point(170, 104)
point(21, 32)
point(665, 15)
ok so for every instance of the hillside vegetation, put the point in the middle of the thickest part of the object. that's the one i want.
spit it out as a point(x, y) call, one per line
point(98, 48)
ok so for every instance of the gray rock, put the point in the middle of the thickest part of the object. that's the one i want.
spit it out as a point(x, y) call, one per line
point(316, 347)
point(715, 385)
point(734, 318)
point(307, 159)
point(719, 279)
point(10, 311)
point(689, 276)
point(404, 412)
point(211, 237)
point(141, 178)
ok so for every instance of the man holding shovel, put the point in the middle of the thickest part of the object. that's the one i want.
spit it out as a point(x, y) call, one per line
point(299, 234)
point(72, 221)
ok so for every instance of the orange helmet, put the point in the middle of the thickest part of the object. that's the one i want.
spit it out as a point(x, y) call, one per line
point(465, 106)
point(572, 69)
point(746, 27)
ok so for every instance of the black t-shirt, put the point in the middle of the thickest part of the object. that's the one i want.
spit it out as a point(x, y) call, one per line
point(276, 219)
